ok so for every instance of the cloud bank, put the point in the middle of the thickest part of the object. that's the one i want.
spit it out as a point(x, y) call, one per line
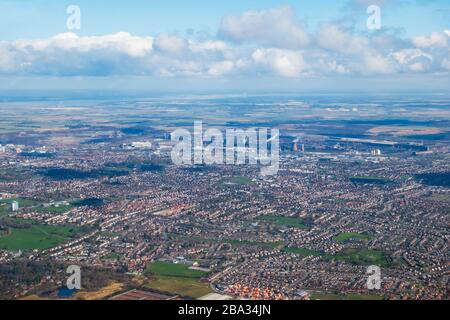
point(268, 42)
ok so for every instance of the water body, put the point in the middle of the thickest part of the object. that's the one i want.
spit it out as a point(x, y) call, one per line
point(64, 293)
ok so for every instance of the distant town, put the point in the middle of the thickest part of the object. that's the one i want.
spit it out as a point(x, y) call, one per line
point(361, 183)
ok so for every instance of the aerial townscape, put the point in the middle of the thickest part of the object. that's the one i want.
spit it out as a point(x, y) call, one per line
point(362, 181)
point(225, 158)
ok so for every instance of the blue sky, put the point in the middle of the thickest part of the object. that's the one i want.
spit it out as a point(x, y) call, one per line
point(44, 18)
point(265, 44)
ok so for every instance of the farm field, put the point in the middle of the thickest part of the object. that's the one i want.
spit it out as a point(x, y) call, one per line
point(176, 279)
point(353, 256)
point(187, 287)
point(363, 257)
point(37, 237)
point(162, 268)
point(54, 209)
point(100, 294)
point(345, 236)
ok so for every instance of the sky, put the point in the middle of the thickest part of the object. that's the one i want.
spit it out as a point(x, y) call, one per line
point(199, 45)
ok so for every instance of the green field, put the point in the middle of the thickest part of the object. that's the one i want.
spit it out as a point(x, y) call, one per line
point(281, 221)
point(54, 209)
point(169, 269)
point(345, 236)
point(363, 257)
point(26, 203)
point(187, 287)
point(4, 209)
point(177, 279)
point(5, 205)
point(36, 237)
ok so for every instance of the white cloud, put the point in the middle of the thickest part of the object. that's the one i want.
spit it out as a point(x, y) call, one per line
point(170, 44)
point(69, 54)
point(208, 46)
point(333, 37)
point(275, 27)
point(417, 67)
point(376, 63)
point(405, 56)
point(333, 66)
point(120, 42)
point(285, 63)
point(436, 39)
point(221, 68)
point(268, 42)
